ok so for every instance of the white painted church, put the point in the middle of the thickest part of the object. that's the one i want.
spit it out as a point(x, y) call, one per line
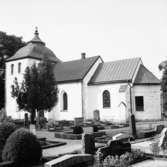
point(115, 88)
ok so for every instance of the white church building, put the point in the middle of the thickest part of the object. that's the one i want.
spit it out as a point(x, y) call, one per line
point(116, 89)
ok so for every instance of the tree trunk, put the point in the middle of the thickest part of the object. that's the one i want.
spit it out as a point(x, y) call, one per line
point(32, 116)
point(133, 125)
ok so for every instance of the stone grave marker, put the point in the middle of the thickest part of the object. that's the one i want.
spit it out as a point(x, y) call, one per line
point(32, 129)
point(96, 115)
point(88, 144)
point(159, 128)
point(26, 122)
point(88, 130)
point(163, 139)
point(78, 121)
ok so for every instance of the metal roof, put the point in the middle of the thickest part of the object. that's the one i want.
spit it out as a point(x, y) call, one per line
point(145, 77)
point(115, 71)
point(75, 70)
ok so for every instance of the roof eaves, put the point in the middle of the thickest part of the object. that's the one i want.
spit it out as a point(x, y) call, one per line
point(147, 84)
point(19, 58)
point(69, 81)
point(110, 82)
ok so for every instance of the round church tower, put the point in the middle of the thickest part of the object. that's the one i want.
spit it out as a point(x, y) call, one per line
point(34, 51)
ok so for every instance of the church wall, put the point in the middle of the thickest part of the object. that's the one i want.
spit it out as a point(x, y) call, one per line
point(152, 102)
point(73, 91)
point(11, 105)
point(114, 113)
point(85, 90)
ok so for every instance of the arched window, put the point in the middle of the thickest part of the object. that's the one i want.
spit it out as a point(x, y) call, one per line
point(65, 101)
point(12, 68)
point(19, 67)
point(106, 99)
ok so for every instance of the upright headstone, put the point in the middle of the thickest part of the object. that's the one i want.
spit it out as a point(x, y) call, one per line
point(96, 115)
point(32, 129)
point(26, 122)
point(133, 125)
point(88, 129)
point(78, 121)
point(163, 139)
point(159, 128)
point(88, 144)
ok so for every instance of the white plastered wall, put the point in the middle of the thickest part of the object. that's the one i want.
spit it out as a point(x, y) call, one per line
point(115, 113)
point(152, 102)
point(73, 91)
point(10, 103)
point(85, 88)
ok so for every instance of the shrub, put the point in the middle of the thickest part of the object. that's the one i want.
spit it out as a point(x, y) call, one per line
point(42, 122)
point(154, 147)
point(124, 160)
point(77, 130)
point(6, 129)
point(22, 148)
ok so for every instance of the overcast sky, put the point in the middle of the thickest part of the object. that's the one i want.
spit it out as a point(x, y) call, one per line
point(113, 29)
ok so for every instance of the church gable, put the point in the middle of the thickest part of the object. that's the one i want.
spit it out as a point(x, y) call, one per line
point(145, 77)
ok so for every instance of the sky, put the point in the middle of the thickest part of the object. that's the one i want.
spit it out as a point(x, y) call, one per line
point(113, 29)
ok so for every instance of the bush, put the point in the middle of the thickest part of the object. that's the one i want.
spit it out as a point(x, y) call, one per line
point(42, 122)
point(22, 148)
point(6, 129)
point(77, 130)
point(124, 160)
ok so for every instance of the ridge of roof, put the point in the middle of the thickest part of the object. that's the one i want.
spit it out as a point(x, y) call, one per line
point(115, 71)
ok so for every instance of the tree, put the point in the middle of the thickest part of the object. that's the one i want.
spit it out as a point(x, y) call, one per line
point(38, 91)
point(9, 44)
point(2, 89)
point(164, 90)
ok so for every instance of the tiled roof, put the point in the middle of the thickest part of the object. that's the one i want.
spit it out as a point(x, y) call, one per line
point(144, 76)
point(73, 70)
point(115, 71)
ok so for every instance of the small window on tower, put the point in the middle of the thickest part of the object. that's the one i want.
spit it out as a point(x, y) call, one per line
point(12, 68)
point(19, 67)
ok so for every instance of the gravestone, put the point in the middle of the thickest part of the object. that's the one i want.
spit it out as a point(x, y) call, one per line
point(88, 129)
point(88, 144)
point(163, 139)
point(159, 128)
point(32, 129)
point(26, 122)
point(96, 115)
point(78, 121)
